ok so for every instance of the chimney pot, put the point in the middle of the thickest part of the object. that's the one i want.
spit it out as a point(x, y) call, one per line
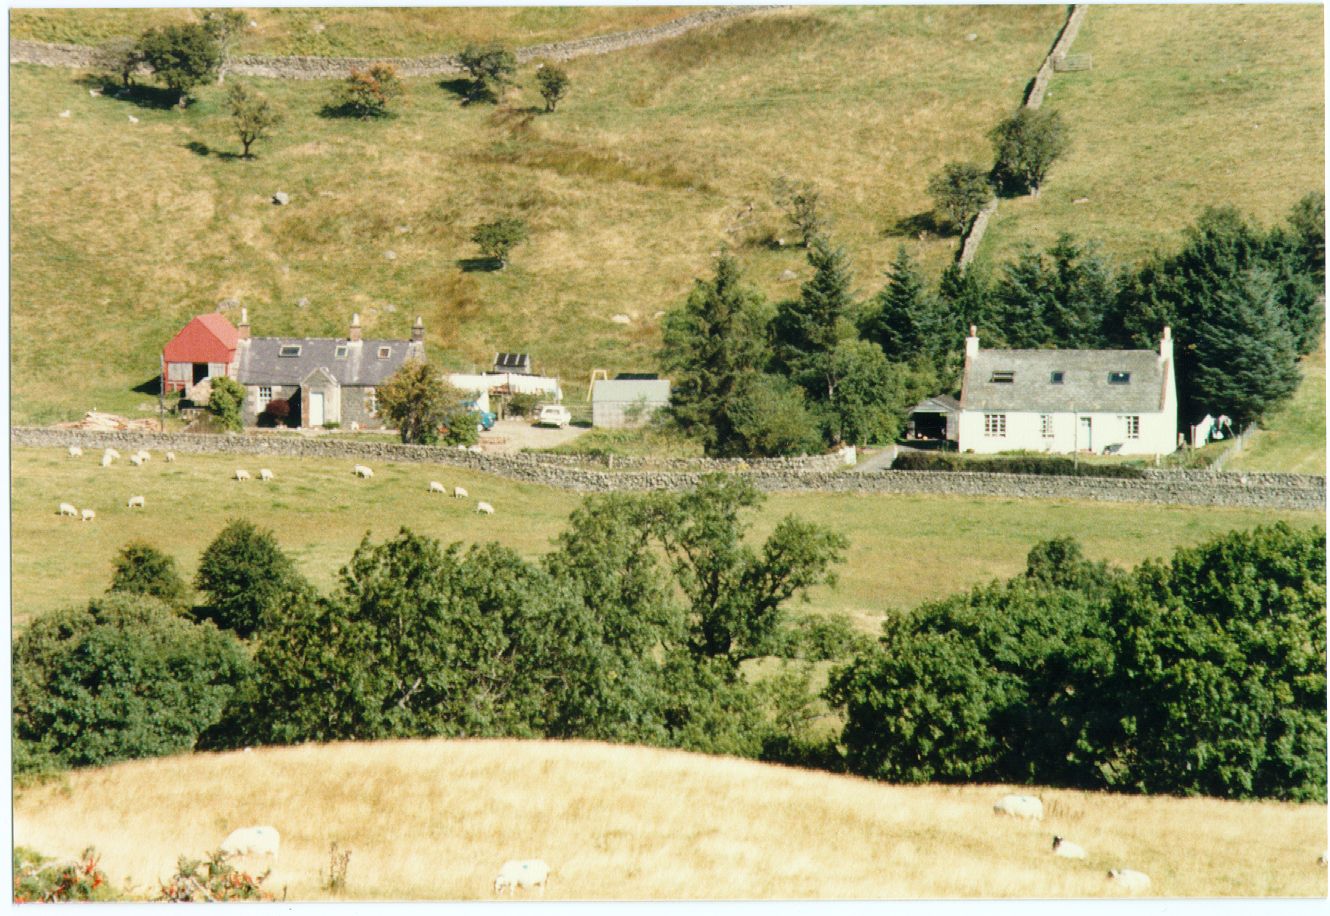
point(418, 329)
point(242, 332)
point(972, 342)
point(355, 327)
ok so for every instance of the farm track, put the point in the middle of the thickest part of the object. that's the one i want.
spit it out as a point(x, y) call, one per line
point(313, 68)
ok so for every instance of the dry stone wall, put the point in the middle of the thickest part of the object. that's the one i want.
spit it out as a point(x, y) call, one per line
point(322, 68)
point(1195, 488)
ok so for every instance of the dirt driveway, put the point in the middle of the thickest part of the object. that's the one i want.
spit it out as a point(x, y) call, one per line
point(514, 435)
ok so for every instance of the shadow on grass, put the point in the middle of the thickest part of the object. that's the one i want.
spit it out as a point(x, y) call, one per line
point(109, 88)
point(471, 265)
point(202, 149)
point(919, 224)
point(152, 386)
point(347, 111)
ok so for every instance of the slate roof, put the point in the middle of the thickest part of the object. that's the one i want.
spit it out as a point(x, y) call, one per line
point(942, 403)
point(656, 391)
point(259, 363)
point(1084, 387)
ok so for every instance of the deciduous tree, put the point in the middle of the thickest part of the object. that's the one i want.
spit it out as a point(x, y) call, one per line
point(1025, 146)
point(181, 56)
point(491, 67)
point(417, 401)
point(142, 569)
point(553, 83)
point(245, 577)
point(368, 93)
point(253, 115)
point(498, 237)
point(959, 192)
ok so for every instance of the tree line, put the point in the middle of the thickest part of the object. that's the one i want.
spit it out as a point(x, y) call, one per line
point(753, 379)
point(1203, 674)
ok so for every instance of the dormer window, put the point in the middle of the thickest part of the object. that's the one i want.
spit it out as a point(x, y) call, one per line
point(385, 352)
point(1002, 376)
point(288, 350)
point(1119, 378)
point(1056, 376)
point(340, 352)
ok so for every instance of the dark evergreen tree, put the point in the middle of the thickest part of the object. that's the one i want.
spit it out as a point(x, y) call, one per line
point(903, 320)
point(1059, 302)
point(244, 576)
point(142, 569)
point(808, 329)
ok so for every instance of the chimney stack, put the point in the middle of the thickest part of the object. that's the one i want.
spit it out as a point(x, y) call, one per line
point(418, 330)
point(354, 334)
point(1166, 344)
point(242, 332)
point(972, 343)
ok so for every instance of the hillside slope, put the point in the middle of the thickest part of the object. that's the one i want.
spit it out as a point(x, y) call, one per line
point(435, 819)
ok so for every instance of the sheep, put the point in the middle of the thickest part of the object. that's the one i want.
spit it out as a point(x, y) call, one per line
point(1129, 880)
point(361, 471)
point(517, 873)
point(242, 474)
point(265, 474)
point(1066, 849)
point(135, 502)
point(1023, 806)
point(485, 508)
point(136, 460)
point(112, 452)
point(436, 487)
point(106, 461)
point(67, 509)
point(75, 452)
point(252, 841)
point(170, 456)
point(89, 515)
point(459, 493)
point(143, 454)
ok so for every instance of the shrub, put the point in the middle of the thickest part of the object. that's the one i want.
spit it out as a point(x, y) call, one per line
point(225, 404)
point(214, 880)
point(523, 405)
point(277, 413)
point(1047, 465)
point(368, 93)
point(416, 400)
point(181, 56)
point(122, 678)
point(498, 237)
point(244, 576)
point(38, 881)
point(959, 192)
point(142, 569)
point(799, 201)
point(491, 67)
point(1025, 146)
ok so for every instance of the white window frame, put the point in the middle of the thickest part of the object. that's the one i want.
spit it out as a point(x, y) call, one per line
point(995, 426)
point(1046, 425)
point(1133, 426)
point(265, 395)
point(371, 402)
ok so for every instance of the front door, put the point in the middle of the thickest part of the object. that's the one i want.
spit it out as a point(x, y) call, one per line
point(1086, 443)
point(316, 408)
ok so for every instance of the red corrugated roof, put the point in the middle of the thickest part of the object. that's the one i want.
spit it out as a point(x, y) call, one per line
point(206, 339)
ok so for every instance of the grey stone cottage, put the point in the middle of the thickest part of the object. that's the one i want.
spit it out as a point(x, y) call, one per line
point(324, 379)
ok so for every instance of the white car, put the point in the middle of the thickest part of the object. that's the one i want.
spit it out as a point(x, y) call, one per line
point(553, 415)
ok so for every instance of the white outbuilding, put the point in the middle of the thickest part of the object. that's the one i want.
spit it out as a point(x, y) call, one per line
point(1063, 401)
point(622, 402)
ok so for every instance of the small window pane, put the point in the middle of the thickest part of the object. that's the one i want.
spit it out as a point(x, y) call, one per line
point(995, 425)
point(1056, 377)
point(1002, 376)
point(289, 350)
point(1046, 426)
point(340, 352)
point(385, 352)
point(1119, 378)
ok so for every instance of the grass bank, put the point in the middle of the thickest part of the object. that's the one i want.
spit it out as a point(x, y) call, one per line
point(434, 820)
point(1293, 437)
point(903, 549)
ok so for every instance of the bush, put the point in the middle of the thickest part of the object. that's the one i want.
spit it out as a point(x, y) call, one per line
point(142, 569)
point(277, 413)
point(1025, 146)
point(225, 404)
point(1046, 465)
point(244, 576)
point(120, 679)
point(368, 93)
point(959, 192)
point(38, 881)
point(214, 880)
point(522, 405)
point(497, 238)
point(491, 67)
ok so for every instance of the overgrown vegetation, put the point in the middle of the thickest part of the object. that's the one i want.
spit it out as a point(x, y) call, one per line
point(38, 880)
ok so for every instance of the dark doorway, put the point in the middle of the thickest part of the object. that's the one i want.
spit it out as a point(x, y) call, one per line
point(200, 372)
point(929, 425)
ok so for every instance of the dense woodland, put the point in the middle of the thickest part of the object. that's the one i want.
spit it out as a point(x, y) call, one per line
point(654, 620)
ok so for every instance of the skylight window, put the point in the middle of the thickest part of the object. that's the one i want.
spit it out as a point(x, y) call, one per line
point(340, 352)
point(1002, 376)
point(385, 352)
point(1056, 377)
point(289, 350)
point(1119, 378)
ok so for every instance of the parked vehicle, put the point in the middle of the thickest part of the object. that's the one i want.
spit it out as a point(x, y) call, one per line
point(485, 419)
point(553, 415)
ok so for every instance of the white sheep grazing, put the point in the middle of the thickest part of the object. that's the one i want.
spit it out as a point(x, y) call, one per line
point(265, 474)
point(170, 456)
point(89, 515)
point(75, 452)
point(1024, 806)
point(106, 461)
point(361, 471)
point(143, 454)
point(252, 841)
point(1129, 880)
point(459, 493)
point(523, 873)
point(135, 502)
point(136, 460)
point(67, 509)
point(1067, 849)
point(112, 452)
point(436, 487)
point(485, 508)
point(242, 474)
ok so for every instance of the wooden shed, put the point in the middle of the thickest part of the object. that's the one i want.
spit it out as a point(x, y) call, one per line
point(204, 348)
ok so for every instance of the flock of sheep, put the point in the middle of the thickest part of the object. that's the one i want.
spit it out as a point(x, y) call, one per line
point(142, 456)
point(265, 841)
point(1031, 808)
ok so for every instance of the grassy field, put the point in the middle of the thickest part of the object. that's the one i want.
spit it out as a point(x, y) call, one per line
point(1293, 440)
point(434, 820)
point(1185, 107)
point(121, 231)
point(903, 549)
point(345, 32)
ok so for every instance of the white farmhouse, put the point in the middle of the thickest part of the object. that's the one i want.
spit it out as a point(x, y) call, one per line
point(1064, 401)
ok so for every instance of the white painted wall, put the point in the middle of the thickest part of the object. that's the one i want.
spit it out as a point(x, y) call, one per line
point(1158, 433)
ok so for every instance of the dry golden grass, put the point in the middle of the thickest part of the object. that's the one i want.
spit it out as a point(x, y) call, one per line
point(435, 819)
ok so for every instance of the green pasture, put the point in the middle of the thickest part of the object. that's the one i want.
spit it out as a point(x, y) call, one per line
point(903, 549)
point(1293, 438)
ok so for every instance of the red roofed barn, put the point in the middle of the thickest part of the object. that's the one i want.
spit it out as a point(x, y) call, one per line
point(204, 348)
